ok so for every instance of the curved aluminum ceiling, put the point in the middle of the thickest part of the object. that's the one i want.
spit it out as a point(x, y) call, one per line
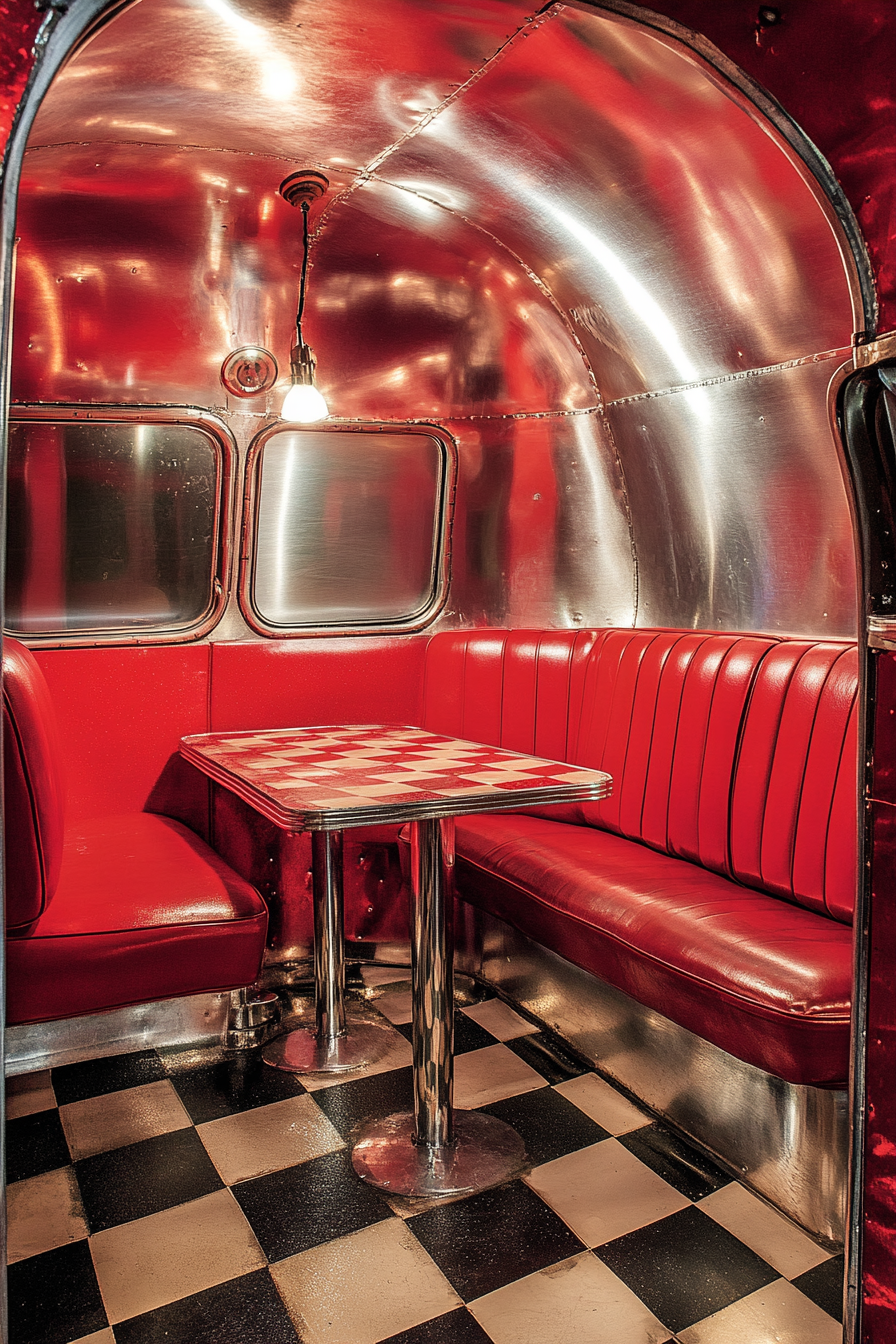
point(565, 237)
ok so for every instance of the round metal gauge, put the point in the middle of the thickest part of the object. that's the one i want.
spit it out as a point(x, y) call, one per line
point(249, 370)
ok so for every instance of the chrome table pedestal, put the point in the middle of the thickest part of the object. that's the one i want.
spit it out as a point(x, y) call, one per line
point(336, 1045)
point(435, 1150)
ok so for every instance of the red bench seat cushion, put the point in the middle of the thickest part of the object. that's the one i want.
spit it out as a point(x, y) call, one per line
point(766, 980)
point(143, 910)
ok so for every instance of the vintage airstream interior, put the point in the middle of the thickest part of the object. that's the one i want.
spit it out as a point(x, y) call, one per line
point(587, 309)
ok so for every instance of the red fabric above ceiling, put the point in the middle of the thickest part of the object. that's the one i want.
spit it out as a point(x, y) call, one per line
point(828, 62)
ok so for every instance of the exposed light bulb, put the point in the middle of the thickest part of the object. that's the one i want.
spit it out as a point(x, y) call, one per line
point(303, 404)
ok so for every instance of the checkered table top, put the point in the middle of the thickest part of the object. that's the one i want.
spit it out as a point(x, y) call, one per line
point(329, 778)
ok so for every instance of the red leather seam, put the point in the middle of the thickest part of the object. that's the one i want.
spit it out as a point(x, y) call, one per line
point(748, 700)
point(799, 796)
point(675, 739)
point(827, 829)
point(659, 683)
point(235, 923)
point(756, 1010)
point(32, 802)
point(771, 758)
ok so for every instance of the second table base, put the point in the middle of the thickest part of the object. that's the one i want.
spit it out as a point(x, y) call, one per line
point(302, 1051)
point(485, 1152)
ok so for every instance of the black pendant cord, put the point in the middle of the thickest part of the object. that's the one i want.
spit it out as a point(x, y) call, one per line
point(303, 282)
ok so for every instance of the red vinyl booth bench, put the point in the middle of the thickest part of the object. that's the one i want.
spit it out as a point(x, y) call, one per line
point(716, 885)
point(120, 910)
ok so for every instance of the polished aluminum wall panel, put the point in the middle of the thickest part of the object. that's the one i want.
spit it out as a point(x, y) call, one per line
point(324, 79)
point(541, 532)
point(790, 1143)
point(739, 508)
point(681, 234)
point(527, 218)
point(347, 528)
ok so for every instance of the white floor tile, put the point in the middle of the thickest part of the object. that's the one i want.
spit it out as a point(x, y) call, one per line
point(603, 1103)
point(503, 1023)
point(43, 1212)
point(491, 1074)
point(579, 1301)
point(603, 1191)
point(363, 1288)
point(268, 1138)
point(769, 1234)
point(778, 1314)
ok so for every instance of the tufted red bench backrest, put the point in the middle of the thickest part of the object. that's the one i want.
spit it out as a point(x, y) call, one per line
point(737, 752)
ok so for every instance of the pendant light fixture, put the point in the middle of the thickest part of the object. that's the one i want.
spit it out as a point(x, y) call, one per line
point(303, 403)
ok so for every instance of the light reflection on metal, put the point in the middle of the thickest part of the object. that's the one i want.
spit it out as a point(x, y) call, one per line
point(249, 371)
point(347, 527)
point(438, 294)
point(787, 1141)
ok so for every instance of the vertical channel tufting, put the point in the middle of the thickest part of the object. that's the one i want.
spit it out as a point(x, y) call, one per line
point(443, 684)
point(754, 762)
point(700, 681)
point(814, 832)
point(655, 811)
point(606, 729)
point(518, 709)
point(788, 773)
point(730, 697)
point(552, 683)
point(841, 849)
point(483, 687)
point(587, 646)
point(644, 717)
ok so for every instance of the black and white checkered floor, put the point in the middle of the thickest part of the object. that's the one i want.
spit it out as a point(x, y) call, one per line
point(199, 1198)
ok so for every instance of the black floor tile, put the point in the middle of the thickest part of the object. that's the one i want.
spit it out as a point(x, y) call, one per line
point(824, 1285)
point(468, 1035)
point(455, 1327)
point(492, 1238)
point(96, 1077)
point(548, 1054)
point(54, 1298)
point(304, 1206)
point(144, 1178)
point(549, 1125)
point(35, 1144)
point(686, 1267)
point(247, 1310)
point(349, 1105)
point(239, 1083)
point(692, 1173)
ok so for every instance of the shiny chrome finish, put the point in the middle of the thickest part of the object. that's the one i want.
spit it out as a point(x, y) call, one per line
point(199, 1020)
point(507, 245)
point(249, 371)
point(751, 529)
point(254, 1016)
point(108, 507)
point(789, 1143)
point(484, 1152)
point(432, 979)
point(437, 1150)
point(346, 526)
point(336, 1045)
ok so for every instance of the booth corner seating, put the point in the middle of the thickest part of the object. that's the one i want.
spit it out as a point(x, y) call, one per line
point(716, 885)
point(118, 910)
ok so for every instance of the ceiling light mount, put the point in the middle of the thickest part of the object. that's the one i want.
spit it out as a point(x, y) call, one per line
point(304, 187)
point(303, 403)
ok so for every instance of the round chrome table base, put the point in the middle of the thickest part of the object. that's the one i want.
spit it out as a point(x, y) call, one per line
point(303, 1052)
point(484, 1153)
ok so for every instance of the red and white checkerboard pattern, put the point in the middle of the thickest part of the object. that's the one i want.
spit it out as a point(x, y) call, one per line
point(297, 775)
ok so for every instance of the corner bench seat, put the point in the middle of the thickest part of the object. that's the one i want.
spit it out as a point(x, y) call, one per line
point(716, 885)
point(113, 911)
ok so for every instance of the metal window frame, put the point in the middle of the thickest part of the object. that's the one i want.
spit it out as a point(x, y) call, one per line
point(444, 517)
point(222, 519)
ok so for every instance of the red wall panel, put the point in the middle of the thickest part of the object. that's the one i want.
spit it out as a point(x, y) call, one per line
point(122, 713)
point(280, 684)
